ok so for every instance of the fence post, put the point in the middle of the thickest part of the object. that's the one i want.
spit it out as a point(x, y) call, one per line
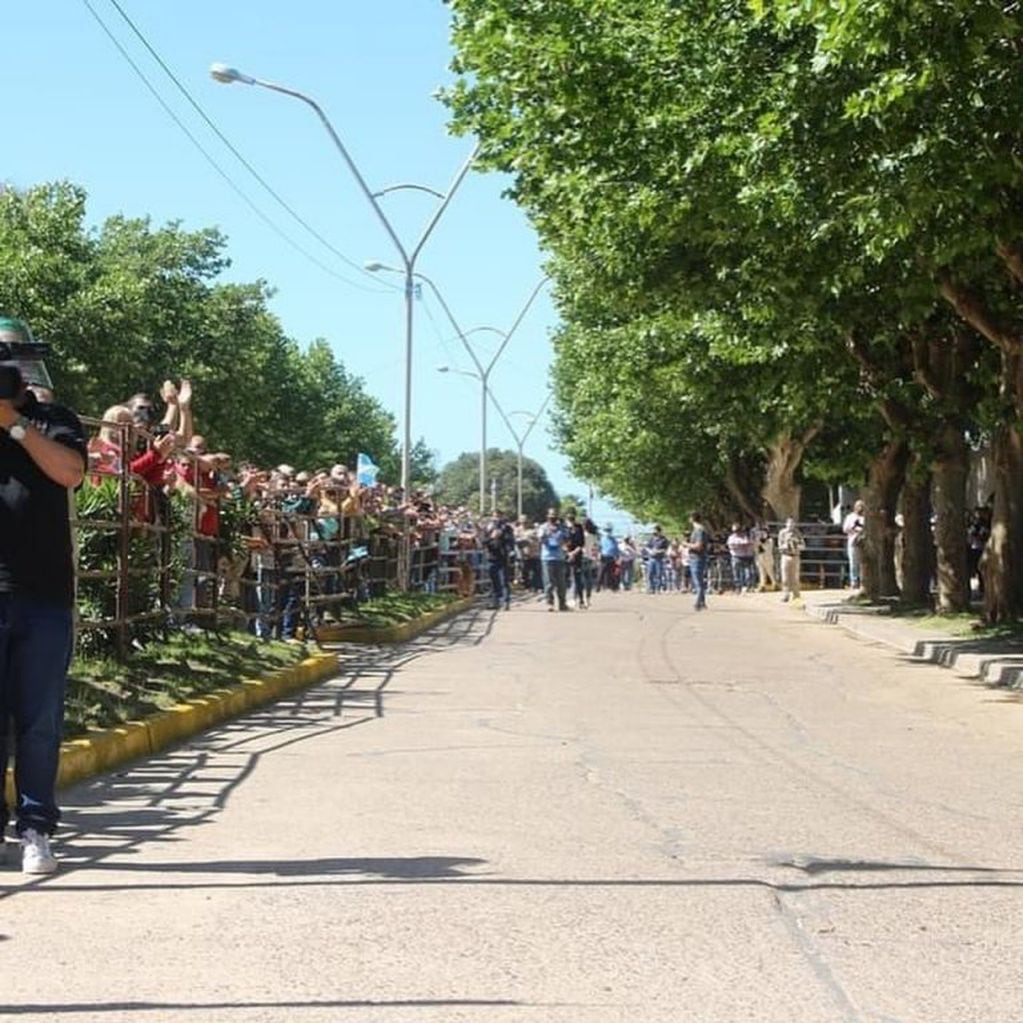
point(124, 543)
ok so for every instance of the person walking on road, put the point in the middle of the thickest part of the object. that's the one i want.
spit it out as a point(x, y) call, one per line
point(575, 558)
point(499, 544)
point(627, 558)
point(790, 545)
point(609, 552)
point(699, 549)
point(553, 538)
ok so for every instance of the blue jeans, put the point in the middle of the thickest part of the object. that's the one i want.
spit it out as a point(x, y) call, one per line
point(555, 582)
point(500, 593)
point(35, 650)
point(627, 568)
point(855, 554)
point(698, 574)
point(266, 598)
point(655, 575)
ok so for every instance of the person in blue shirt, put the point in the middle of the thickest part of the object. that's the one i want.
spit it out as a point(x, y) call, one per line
point(553, 536)
point(608, 579)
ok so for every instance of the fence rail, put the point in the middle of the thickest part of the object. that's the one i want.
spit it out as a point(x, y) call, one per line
point(203, 555)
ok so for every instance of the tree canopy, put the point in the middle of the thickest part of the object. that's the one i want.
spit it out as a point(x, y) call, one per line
point(765, 218)
point(458, 483)
point(130, 304)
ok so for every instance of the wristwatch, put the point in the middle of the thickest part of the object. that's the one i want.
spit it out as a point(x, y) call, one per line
point(17, 430)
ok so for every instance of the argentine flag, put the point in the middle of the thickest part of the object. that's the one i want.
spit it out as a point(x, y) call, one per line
point(366, 470)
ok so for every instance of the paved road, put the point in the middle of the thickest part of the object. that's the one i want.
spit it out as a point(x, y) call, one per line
point(634, 813)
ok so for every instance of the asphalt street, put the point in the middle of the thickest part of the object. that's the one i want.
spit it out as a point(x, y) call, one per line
point(632, 813)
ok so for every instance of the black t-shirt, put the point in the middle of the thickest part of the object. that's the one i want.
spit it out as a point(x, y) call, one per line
point(658, 546)
point(35, 526)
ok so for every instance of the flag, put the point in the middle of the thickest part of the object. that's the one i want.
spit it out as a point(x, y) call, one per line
point(366, 470)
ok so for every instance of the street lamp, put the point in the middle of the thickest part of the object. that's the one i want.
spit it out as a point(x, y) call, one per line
point(227, 76)
point(482, 372)
point(534, 418)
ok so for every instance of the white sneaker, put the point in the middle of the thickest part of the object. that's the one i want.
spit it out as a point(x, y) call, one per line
point(36, 855)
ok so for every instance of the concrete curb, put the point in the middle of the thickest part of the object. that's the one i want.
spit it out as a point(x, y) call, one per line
point(400, 633)
point(107, 748)
point(965, 657)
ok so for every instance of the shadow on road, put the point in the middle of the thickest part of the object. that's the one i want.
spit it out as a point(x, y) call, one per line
point(157, 800)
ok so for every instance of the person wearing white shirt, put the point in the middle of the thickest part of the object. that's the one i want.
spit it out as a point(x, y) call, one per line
point(853, 528)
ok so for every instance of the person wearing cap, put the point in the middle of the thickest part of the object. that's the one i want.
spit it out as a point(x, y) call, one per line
point(43, 455)
point(553, 537)
point(791, 545)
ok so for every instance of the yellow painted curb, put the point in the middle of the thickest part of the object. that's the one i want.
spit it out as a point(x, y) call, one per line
point(104, 749)
point(399, 633)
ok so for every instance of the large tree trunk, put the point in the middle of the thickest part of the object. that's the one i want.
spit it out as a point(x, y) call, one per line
point(917, 539)
point(884, 481)
point(744, 501)
point(781, 491)
point(951, 468)
point(1002, 561)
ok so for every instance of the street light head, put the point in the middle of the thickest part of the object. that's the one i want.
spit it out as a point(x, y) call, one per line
point(443, 369)
point(229, 75)
point(374, 267)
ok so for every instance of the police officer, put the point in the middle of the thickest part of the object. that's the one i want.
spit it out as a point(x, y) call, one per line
point(43, 455)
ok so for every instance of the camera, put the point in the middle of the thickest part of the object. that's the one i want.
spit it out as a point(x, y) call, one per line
point(11, 382)
point(21, 359)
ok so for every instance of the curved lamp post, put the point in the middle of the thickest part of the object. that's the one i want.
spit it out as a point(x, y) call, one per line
point(482, 372)
point(228, 76)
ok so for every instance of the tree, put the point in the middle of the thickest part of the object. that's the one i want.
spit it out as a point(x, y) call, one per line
point(130, 305)
point(779, 190)
point(458, 483)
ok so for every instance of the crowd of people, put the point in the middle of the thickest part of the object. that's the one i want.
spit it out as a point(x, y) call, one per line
point(566, 558)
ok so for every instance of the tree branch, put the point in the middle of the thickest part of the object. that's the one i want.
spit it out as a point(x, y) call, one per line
point(977, 314)
point(1012, 256)
point(922, 367)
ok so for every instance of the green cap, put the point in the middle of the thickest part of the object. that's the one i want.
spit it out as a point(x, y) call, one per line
point(15, 330)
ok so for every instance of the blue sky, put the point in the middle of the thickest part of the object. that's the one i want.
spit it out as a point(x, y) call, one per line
point(76, 110)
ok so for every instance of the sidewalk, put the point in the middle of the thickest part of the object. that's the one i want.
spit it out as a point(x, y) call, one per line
point(997, 662)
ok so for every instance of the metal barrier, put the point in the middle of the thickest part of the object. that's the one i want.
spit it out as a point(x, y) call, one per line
point(203, 555)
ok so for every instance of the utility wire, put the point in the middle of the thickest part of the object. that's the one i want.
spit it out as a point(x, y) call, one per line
point(241, 158)
point(210, 160)
point(445, 342)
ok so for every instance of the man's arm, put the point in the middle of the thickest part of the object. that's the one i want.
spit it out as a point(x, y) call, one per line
point(63, 464)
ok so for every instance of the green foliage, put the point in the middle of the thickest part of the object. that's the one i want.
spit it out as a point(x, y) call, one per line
point(729, 193)
point(103, 692)
point(130, 305)
point(458, 483)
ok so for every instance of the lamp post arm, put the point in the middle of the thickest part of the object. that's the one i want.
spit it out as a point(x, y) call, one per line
point(454, 323)
point(336, 139)
point(536, 418)
point(438, 213)
point(515, 325)
point(507, 421)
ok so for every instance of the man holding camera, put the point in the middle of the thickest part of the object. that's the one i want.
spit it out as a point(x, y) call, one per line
point(43, 455)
